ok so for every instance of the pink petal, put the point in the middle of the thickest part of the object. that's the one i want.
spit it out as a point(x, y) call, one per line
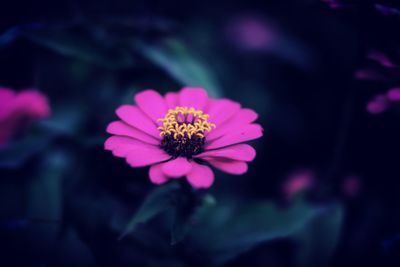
point(369, 75)
point(201, 176)
point(152, 104)
point(176, 168)
point(6, 95)
point(7, 105)
point(156, 175)
point(33, 103)
point(221, 110)
point(246, 133)
point(378, 104)
point(121, 146)
point(239, 120)
point(133, 116)
point(394, 94)
point(376, 107)
point(172, 100)
point(193, 97)
point(381, 58)
point(240, 152)
point(123, 129)
point(146, 155)
point(229, 166)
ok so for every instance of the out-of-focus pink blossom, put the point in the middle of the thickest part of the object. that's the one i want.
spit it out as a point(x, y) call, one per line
point(393, 94)
point(387, 70)
point(351, 186)
point(251, 33)
point(378, 104)
point(298, 182)
point(369, 75)
point(381, 58)
point(19, 108)
point(378, 72)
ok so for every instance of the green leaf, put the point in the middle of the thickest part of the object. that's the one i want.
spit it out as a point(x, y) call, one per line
point(186, 213)
point(180, 64)
point(227, 231)
point(159, 200)
point(82, 46)
point(319, 239)
point(45, 191)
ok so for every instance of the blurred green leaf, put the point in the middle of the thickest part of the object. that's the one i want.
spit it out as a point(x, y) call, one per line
point(175, 58)
point(65, 119)
point(229, 230)
point(45, 191)
point(71, 43)
point(318, 239)
point(181, 221)
point(159, 200)
point(186, 213)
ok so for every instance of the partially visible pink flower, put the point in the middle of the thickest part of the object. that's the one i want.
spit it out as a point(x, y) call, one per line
point(385, 70)
point(383, 102)
point(369, 75)
point(378, 104)
point(19, 108)
point(181, 134)
point(297, 182)
point(381, 59)
point(382, 69)
point(393, 94)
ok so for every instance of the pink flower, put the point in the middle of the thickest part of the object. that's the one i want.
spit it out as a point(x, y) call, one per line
point(381, 58)
point(17, 109)
point(383, 102)
point(393, 94)
point(378, 104)
point(382, 69)
point(181, 134)
point(385, 70)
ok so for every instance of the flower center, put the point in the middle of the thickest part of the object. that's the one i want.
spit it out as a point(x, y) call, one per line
point(183, 131)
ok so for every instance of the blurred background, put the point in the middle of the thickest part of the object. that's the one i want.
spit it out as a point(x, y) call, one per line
point(323, 76)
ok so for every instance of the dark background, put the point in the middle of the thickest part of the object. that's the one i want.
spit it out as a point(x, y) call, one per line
point(65, 201)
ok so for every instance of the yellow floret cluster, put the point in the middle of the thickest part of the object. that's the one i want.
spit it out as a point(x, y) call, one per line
point(183, 121)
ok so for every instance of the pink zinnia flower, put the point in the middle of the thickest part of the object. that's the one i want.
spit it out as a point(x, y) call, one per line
point(19, 108)
point(181, 134)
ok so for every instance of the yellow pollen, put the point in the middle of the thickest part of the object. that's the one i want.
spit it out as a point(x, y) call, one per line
point(184, 120)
